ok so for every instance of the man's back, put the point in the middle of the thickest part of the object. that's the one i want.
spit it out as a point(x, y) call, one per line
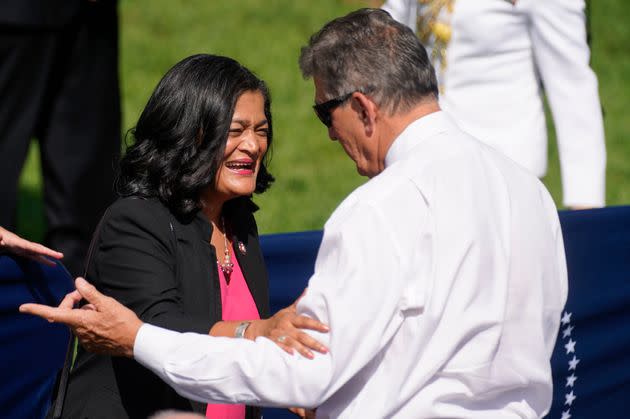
point(482, 282)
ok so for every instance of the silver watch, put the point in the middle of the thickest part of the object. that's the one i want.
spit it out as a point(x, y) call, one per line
point(240, 329)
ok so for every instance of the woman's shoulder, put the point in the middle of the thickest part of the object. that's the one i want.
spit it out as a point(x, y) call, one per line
point(137, 211)
point(137, 204)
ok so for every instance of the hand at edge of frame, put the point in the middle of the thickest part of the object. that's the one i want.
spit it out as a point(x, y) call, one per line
point(13, 243)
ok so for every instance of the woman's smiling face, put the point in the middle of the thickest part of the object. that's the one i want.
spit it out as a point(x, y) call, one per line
point(245, 147)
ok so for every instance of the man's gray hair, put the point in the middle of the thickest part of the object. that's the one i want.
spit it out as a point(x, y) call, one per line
point(368, 51)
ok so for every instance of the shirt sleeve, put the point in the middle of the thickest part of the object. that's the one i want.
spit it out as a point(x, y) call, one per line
point(358, 289)
point(558, 34)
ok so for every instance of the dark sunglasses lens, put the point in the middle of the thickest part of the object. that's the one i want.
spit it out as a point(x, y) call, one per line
point(323, 115)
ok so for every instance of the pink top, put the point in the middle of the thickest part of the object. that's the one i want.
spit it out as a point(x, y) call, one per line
point(237, 303)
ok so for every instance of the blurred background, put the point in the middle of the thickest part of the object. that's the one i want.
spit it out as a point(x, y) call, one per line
point(312, 173)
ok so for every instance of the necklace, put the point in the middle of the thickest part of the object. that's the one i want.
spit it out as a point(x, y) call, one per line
point(227, 266)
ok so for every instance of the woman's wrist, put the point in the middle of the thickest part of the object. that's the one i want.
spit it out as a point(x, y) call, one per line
point(241, 328)
point(255, 329)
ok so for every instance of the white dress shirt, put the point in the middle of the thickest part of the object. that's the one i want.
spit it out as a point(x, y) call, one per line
point(442, 280)
point(497, 57)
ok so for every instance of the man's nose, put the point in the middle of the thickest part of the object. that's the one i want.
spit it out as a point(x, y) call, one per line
point(332, 133)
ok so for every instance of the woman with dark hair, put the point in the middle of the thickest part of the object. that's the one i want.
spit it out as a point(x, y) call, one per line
point(180, 247)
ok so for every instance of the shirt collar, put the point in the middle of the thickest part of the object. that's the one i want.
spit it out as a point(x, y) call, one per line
point(420, 129)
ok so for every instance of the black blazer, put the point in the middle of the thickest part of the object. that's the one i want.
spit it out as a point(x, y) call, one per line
point(164, 270)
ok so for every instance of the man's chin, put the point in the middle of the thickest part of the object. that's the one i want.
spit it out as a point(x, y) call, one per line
point(360, 171)
point(365, 172)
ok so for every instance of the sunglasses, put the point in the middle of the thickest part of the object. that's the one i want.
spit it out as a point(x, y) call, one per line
point(324, 110)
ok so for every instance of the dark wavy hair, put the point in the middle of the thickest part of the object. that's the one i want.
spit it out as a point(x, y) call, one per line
point(181, 134)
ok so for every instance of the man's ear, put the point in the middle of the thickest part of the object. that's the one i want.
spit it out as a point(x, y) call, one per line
point(368, 111)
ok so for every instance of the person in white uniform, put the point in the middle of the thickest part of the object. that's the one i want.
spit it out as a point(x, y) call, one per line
point(442, 278)
point(492, 56)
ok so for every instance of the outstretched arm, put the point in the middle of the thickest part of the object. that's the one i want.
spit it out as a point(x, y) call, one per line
point(103, 325)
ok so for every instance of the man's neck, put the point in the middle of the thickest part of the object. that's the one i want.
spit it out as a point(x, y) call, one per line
point(394, 125)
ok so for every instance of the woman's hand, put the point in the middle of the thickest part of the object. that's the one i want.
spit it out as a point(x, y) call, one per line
point(285, 329)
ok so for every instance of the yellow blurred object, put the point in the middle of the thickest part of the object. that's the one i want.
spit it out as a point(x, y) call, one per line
point(434, 29)
point(442, 31)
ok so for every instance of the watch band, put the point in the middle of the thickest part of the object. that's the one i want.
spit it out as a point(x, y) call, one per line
point(240, 329)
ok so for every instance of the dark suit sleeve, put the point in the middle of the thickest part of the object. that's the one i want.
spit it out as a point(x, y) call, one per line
point(135, 263)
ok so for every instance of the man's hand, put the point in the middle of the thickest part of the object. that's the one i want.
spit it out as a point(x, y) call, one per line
point(103, 325)
point(15, 244)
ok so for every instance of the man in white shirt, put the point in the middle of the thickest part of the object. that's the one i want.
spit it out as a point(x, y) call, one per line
point(493, 57)
point(442, 278)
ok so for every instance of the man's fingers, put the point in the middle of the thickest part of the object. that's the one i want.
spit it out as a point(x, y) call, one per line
point(89, 291)
point(37, 310)
point(53, 314)
point(70, 300)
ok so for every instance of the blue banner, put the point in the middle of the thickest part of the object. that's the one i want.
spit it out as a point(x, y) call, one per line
point(590, 363)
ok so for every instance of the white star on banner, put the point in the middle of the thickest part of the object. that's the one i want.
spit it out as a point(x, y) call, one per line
point(567, 332)
point(566, 414)
point(569, 397)
point(573, 363)
point(566, 318)
point(571, 380)
point(570, 346)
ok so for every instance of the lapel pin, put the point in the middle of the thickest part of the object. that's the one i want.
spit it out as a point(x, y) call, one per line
point(241, 248)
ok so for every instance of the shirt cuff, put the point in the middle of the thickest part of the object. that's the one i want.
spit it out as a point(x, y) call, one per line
point(153, 346)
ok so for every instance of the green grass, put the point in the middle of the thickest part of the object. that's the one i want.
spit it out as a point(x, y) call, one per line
point(313, 174)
